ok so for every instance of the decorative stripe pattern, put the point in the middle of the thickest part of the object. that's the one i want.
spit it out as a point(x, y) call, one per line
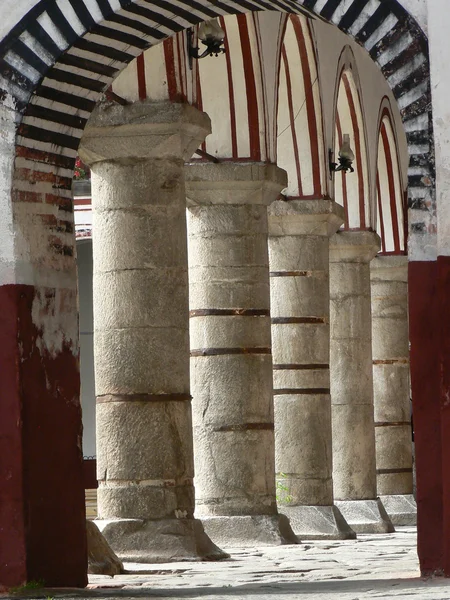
point(215, 86)
point(63, 54)
point(391, 222)
point(352, 191)
point(300, 136)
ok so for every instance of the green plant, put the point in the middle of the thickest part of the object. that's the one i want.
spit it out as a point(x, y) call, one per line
point(30, 585)
point(81, 171)
point(282, 490)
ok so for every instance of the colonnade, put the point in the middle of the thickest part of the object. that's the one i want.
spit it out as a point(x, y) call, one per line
point(274, 309)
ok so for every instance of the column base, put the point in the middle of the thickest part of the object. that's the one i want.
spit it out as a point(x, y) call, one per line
point(101, 558)
point(318, 523)
point(165, 540)
point(402, 509)
point(250, 530)
point(366, 516)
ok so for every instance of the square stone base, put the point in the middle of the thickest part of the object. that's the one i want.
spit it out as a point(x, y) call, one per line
point(167, 540)
point(402, 509)
point(318, 523)
point(247, 531)
point(366, 516)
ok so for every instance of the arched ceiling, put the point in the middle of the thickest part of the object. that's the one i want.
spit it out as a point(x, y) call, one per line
point(63, 54)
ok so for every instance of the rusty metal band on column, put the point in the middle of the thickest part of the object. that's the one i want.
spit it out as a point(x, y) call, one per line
point(225, 351)
point(143, 398)
point(229, 312)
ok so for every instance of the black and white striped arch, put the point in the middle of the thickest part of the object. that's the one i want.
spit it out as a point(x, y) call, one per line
point(64, 53)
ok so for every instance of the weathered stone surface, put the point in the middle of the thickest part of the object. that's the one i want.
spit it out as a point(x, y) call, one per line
point(382, 566)
point(234, 472)
point(231, 366)
point(390, 345)
point(234, 183)
point(299, 265)
point(101, 558)
point(123, 132)
point(129, 430)
point(354, 468)
point(366, 516)
point(401, 508)
point(141, 341)
point(245, 531)
point(303, 449)
point(318, 523)
point(161, 540)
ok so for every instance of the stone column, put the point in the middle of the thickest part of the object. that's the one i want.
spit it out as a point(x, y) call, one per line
point(354, 470)
point(231, 362)
point(390, 348)
point(300, 309)
point(141, 329)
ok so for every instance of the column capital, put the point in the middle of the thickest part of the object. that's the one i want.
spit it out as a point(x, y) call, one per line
point(233, 183)
point(305, 217)
point(143, 130)
point(354, 246)
point(389, 268)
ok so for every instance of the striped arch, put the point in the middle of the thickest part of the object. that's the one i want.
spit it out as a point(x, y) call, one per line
point(351, 190)
point(241, 130)
point(391, 205)
point(59, 59)
point(300, 139)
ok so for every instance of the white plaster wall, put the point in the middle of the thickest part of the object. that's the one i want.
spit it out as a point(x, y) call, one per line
point(7, 154)
point(84, 261)
point(418, 10)
point(11, 16)
point(330, 43)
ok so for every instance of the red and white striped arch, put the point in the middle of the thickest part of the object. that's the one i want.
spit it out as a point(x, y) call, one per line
point(300, 141)
point(237, 89)
point(391, 218)
point(352, 190)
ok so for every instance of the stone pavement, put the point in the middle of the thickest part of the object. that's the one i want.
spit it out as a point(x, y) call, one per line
point(373, 566)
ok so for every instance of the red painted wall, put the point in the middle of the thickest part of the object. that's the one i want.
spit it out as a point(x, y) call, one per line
point(42, 511)
point(425, 324)
point(443, 322)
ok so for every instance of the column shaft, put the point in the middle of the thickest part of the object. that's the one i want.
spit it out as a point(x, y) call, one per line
point(390, 346)
point(142, 341)
point(354, 467)
point(141, 332)
point(299, 265)
point(231, 362)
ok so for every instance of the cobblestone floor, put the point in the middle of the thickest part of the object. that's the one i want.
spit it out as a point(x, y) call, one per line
point(373, 566)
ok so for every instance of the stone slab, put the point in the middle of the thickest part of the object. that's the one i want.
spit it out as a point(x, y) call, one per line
point(165, 540)
point(366, 516)
point(318, 523)
point(248, 531)
point(402, 509)
point(384, 567)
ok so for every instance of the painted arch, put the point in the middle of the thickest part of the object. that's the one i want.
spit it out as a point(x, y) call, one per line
point(56, 62)
point(300, 135)
point(390, 193)
point(352, 190)
point(238, 89)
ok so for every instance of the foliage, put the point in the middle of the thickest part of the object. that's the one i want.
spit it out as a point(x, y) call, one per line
point(30, 585)
point(282, 490)
point(81, 170)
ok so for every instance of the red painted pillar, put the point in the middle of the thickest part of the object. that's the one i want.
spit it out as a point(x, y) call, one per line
point(444, 328)
point(42, 513)
point(425, 323)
